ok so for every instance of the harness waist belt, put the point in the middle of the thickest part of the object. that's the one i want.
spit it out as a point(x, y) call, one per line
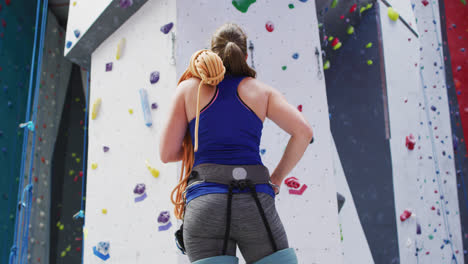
point(225, 174)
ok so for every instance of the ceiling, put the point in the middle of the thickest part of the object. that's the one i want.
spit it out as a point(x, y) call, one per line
point(60, 10)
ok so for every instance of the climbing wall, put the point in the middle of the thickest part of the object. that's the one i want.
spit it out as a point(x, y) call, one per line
point(124, 200)
point(16, 45)
point(273, 27)
point(54, 76)
point(424, 179)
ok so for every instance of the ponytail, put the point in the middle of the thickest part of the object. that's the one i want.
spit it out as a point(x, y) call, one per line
point(234, 61)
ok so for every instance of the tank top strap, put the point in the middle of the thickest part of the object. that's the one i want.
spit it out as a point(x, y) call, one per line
point(228, 87)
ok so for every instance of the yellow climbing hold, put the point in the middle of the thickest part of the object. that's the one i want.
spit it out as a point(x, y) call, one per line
point(130, 111)
point(369, 62)
point(78, 160)
point(74, 3)
point(94, 165)
point(326, 66)
point(71, 172)
point(153, 171)
point(73, 154)
point(120, 47)
point(392, 14)
point(337, 46)
point(369, 45)
point(104, 211)
point(350, 30)
point(61, 227)
point(63, 254)
point(85, 232)
point(96, 106)
point(68, 248)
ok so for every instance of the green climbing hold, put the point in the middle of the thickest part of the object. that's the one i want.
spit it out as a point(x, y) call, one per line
point(242, 5)
point(431, 237)
point(334, 3)
point(284, 68)
point(291, 6)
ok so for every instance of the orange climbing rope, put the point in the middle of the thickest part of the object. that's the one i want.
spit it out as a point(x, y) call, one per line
point(207, 66)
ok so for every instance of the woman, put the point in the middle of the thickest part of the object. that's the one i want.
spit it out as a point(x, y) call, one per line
point(230, 195)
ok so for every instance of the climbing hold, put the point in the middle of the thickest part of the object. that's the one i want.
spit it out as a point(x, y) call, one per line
point(334, 3)
point(300, 191)
point(350, 30)
point(140, 191)
point(69, 43)
point(145, 107)
point(433, 108)
point(80, 214)
point(425, 2)
point(295, 56)
point(130, 111)
point(125, 3)
point(410, 141)
point(269, 26)
point(104, 211)
point(353, 8)
point(109, 66)
point(166, 28)
point(292, 182)
point(154, 106)
point(154, 77)
point(291, 6)
point(405, 215)
point(299, 107)
point(96, 107)
point(336, 44)
point(262, 151)
point(284, 68)
point(369, 45)
point(242, 5)
point(29, 125)
point(418, 229)
point(392, 14)
point(102, 250)
point(326, 66)
point(94, 166)
point(369, 62)
point(120, 47)
point(77, 33)
point(165, 227)
point(163, 217)
point(105, 148)
point(153, 171)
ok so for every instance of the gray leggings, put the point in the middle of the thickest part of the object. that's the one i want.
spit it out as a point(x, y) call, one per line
point(205, 223)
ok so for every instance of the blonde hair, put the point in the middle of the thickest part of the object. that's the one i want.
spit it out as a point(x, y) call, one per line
point(207, 66)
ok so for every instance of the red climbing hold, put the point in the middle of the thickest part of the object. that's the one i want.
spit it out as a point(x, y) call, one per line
point(43, 159)
point(342, 17)
point(269, 26)
point(7, 2)
point(410, 142)
point(405, 215)
point(299, 108)
point(335, 42)
point(353, 8)
point(425, 2)
point(3, 23)
point(292, 182)
point(81, 173)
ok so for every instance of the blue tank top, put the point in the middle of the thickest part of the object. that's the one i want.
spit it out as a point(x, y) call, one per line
point(229, 133)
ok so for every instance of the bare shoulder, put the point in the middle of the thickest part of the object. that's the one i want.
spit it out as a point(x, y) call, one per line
point(257, 86)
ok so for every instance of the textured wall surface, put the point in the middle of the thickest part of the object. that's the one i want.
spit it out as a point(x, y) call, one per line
point(55, 74)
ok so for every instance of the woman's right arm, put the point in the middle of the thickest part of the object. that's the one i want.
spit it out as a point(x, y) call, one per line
point(288, 118)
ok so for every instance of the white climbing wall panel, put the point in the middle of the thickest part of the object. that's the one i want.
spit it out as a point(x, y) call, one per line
point(130, 227)
point(310, 219)
point(424, 178)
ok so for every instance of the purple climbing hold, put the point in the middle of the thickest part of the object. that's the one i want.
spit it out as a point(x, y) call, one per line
point(455, 142)
point(154, 106)
point(166, 28)
point(433, 108)
point(418, 228)
point(139, 188)
point(105, 148)
point(126, 3)
point(154, 77)
point(109, 66)
point(163, 217)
